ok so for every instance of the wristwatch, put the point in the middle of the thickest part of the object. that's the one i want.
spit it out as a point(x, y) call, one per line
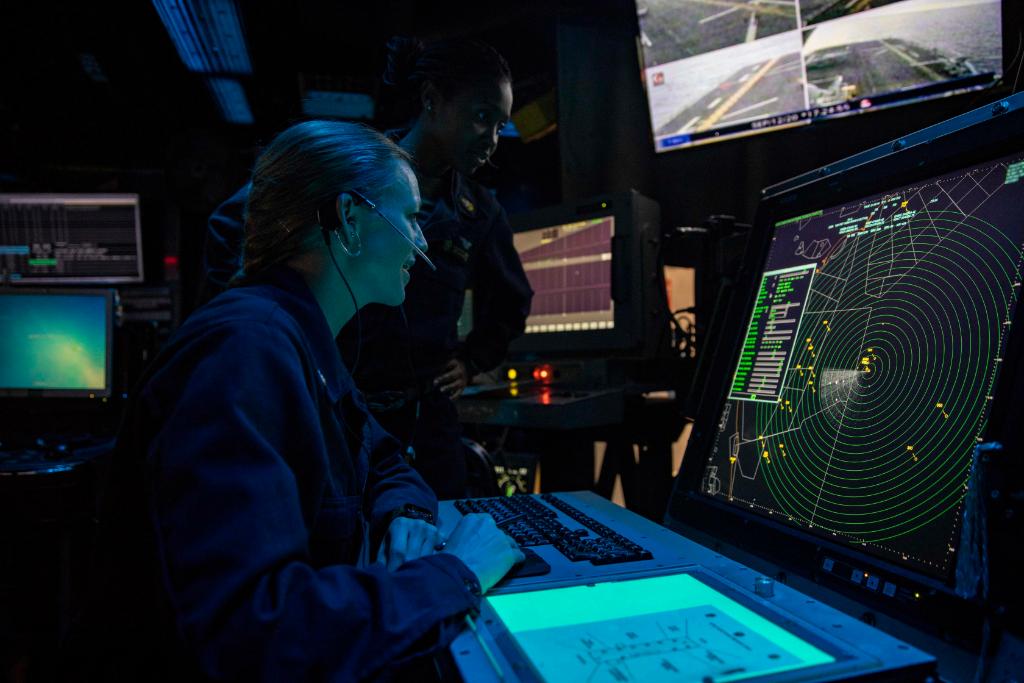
point(380, 528)
point(413, 512)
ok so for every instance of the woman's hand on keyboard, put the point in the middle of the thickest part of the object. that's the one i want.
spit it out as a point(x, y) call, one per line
point(407, 539)
point(487, 550)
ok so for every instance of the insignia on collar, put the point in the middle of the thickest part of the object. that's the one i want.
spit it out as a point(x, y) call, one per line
point(458, 250)
point(469, 206)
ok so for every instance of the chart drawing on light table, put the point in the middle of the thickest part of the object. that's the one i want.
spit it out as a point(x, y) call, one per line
point(665, 628)
point(870, 360)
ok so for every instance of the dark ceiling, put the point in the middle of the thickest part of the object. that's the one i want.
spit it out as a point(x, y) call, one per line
point(96, 99)
point(141, 105)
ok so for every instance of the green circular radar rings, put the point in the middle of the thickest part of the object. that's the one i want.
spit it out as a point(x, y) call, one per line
point(872, 435)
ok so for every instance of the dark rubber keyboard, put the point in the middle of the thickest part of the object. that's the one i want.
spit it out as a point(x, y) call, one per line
point(531, 523)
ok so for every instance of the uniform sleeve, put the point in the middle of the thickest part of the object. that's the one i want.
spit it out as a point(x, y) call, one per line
point(502, 296)
point(392, 483)
point(222, 250)
point(232, 541)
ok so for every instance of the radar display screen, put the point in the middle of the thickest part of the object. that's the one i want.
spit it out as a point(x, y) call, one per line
point(869, 362)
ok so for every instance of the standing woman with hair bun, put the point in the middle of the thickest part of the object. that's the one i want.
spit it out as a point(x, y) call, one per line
point(409, 361)
point(460, 95)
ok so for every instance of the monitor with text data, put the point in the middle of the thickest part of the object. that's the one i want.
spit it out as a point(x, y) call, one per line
point(70, 239)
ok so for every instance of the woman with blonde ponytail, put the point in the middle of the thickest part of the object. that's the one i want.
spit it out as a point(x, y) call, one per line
point(258, 524)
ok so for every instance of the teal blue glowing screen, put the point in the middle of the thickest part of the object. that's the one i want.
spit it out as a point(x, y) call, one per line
point(52, 342)
point(666, 628)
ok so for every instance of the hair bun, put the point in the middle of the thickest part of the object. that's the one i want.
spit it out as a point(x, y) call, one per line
point(403, 52)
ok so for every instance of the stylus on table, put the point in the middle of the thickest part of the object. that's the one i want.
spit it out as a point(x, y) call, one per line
point(483, 646)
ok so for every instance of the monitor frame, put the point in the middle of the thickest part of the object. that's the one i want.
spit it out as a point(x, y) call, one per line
point(635, 244)
point(993, 133)
point(88, 280)
point(108, 295)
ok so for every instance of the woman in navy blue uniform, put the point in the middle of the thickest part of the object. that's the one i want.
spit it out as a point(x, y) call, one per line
point(259, 524)
point(411, 362)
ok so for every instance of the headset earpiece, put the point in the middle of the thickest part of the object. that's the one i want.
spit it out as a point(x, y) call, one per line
point(354, 247)
point(329, 218)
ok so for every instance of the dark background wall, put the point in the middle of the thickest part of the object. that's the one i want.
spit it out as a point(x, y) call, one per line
point(143, 123)
point(136, 120)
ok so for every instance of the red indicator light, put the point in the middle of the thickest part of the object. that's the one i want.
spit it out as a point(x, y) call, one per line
point(543, 373)
point(171, 261)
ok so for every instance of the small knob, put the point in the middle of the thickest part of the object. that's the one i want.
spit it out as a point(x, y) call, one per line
point(764, 587)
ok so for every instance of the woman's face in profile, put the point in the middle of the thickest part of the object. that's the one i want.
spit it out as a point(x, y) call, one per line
point(387, 256)
point(468, 123)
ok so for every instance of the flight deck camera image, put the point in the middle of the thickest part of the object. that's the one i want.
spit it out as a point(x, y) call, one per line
point(716, 69)
point(816, 11)
point(671, 30)
point(731, 85)
point(901, 46)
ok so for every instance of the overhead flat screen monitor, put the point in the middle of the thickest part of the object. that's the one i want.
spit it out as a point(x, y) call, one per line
point(55, 344)
point(70, 239)
point(591, 266)
point(872, 356)
point(717, 70)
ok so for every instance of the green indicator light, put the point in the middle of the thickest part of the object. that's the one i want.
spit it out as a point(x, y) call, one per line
point(42, 261)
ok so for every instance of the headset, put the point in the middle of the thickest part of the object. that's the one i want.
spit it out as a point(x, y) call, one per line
point(334, 220)
point(329, 219)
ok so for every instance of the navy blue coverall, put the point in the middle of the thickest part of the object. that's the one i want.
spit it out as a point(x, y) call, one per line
point(244, 472)
point(470, 241)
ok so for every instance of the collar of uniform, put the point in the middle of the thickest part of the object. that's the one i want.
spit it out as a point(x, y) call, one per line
point(294, 296)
